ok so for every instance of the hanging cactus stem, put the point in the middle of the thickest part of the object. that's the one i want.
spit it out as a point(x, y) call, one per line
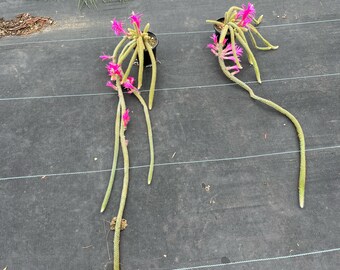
point(238, 21)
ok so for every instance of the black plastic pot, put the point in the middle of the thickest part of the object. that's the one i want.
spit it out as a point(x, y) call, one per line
point(147, 59)
point(218, 31)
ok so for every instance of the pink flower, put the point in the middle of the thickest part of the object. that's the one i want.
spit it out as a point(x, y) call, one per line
point(234, 69)
point(126, 118)
point(214, 47)
point(227, 53)
point(117, 27)
point(110, 84)
point(105, 57)
point(114, 69)
point(247, 14)
point(128, 84)
point(214, 38)
point(135, 18)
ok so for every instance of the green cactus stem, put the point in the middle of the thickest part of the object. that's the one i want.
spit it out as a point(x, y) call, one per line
point(153, 75)
point(149, 129)
point(140, 49)
point(251, 57)
point(119, 45)
point(291, 117)
point(266, 42)
point(232, 41)
point(128, 70)
point(126, 51)
point(115, 159)
point(123, 143)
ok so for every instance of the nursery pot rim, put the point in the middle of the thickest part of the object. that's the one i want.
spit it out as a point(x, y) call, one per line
point(153, 35)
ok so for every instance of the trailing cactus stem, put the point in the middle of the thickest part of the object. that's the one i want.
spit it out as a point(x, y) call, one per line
point(266, 42)
point(148, 125)
point(215, 22)
point(223, 34)
point(153, 76)
point(115, 159)
point(240, 32)
point(232, 39)
point(140, 49)
point(116, 251)
point(127, 46)
point(302, 174)
point(255, 44)
point(251, 56)
point(115, 52)
point(128, 70)
point(125, 53)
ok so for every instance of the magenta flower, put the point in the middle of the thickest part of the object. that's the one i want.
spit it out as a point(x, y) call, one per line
point(214, 38)
point(105, 57)
point(117, 27)
point(234, 69)
point(114, 69)
point(214, 47)
point(227, 53)
point(126, 118)
point(247, 14)
point(110, 84)
point(128, 84)
point(135, 18)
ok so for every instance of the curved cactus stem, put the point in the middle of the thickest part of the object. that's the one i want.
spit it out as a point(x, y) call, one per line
point(115, 52)
point(266, 42)
point(215, 22)
point(116, 243)
point(251, 56)
point(140, 50)
point(291, 117)
point(232, 39)
point(255, 44)
point(148, 125)
point(126, 51)
point(258, 21)
point(240, 32)
point(127, 46)
point(128, 70)
point(114, 163)
point(223, 34)
point(153, 74)
point(229, 14)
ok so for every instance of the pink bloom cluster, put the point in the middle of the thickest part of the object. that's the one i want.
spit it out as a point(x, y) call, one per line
point(117, 26)
point(214, 46)
point(247, 13)
point(227, 53)
point(114, 70)
point(135, 18)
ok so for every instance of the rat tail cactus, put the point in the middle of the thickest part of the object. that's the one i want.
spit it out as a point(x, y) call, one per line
point(134, 42)
point(236, 22)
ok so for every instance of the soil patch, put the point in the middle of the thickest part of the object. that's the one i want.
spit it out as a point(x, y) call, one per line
point(23, 24)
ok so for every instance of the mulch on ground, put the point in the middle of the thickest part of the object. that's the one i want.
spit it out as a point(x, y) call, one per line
point(23, 24)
